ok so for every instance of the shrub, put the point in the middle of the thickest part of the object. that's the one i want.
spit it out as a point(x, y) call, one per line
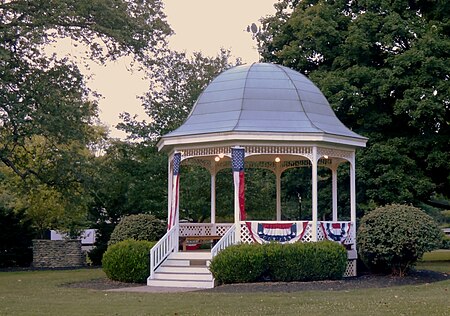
point(138, 227)
point(392, 238)
point(323, 260)
point(102, 237)
point(445, 242)
point(239, 264)
point(276, 262)
point(128, 261)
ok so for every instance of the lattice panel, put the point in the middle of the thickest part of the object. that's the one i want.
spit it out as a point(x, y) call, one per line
point(350, 271)
point(203, 229)
point(307, 236)
point(320, 235)
point(195, 230)
point(246, 237)
point(221, 229)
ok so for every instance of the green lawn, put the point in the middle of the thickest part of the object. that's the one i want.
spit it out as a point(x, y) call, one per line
point(41, 293)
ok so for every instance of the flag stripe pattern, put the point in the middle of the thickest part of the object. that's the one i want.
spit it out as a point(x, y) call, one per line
point(174, 206)
point(277, 232)
point(336, 231)
point(237, 157)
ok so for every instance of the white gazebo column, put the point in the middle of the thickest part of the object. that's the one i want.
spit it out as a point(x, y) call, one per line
point(173, 219)
point(314, 194)
point(352, 190)
point(237, 164)
point(334, 167)
point(169, 187)
point(278, 188)
point(213, 196)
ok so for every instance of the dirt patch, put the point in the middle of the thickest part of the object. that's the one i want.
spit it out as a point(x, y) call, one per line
point(361, 282)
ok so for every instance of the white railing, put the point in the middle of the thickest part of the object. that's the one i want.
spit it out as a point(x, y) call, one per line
point(204, 229)
point(167, 244)
point(227, 240)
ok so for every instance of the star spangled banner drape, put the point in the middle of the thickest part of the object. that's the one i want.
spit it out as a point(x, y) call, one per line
point(280, 232)
point(336, 231)
point(174, 203)
point(237, 163)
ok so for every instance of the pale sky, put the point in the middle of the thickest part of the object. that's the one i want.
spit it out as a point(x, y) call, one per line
point(200, 25)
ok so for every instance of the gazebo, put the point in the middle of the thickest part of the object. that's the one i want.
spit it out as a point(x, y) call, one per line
point(254, 116)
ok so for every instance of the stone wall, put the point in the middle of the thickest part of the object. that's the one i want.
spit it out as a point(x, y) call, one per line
point(57, 254)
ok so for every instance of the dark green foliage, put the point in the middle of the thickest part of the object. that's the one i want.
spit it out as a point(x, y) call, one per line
point(383, 65)
point(239, 264)
point(323, 260)
point(306, 261)
point(102, 236)
point(16, 236)
point(392, 238)
point(128, 261)
point(138, 227)
point(445, 242)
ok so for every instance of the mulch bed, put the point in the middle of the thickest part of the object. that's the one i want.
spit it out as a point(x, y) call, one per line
point(360, 282)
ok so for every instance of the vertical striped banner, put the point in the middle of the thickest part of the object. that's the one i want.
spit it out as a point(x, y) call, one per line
point(237, 162)
point(174, 203)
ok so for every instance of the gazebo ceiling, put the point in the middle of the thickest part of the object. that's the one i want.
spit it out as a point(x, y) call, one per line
point(261, 102)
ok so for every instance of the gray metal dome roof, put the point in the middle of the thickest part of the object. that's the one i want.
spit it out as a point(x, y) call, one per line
point(262, 97)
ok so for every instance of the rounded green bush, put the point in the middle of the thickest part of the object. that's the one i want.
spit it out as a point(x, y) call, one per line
point(138, 227)
point(392, 238)
point(238, 264)
point(128, 261)
point(322, 260)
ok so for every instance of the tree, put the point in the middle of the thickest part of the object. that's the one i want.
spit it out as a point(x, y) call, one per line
point(48, 115)
point(384, 68)
point(47, 97)
point(178, 81)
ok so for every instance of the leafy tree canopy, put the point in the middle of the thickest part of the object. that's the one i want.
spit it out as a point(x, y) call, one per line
point(45, 97)
point(383, 65)
point(176, 84)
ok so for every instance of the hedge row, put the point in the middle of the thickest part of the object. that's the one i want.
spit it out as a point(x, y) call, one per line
point(243, 263)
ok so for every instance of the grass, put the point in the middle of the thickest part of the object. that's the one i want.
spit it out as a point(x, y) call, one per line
point(41, 293)
point(438, 260)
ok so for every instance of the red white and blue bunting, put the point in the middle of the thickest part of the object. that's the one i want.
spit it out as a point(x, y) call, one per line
point(278, 232)
point(335, 231)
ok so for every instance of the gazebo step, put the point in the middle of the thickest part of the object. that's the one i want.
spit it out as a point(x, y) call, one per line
point(183, 276)
point(176, 263)
point(191, 255)
point(182, 269)
point(181, 283)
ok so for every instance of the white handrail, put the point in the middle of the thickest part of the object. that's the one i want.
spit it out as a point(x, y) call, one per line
point(163, 248)
point(227, 240)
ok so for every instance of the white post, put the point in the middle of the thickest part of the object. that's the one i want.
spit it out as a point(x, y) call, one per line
point(213, 196)
point(352, 190)
point(169, 186)
point(314, 194)
point(278, 189)
point(334, 190)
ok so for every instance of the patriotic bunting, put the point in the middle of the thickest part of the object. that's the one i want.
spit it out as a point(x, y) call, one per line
point(174, 206)
point(279, 232)
point(336, 231)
